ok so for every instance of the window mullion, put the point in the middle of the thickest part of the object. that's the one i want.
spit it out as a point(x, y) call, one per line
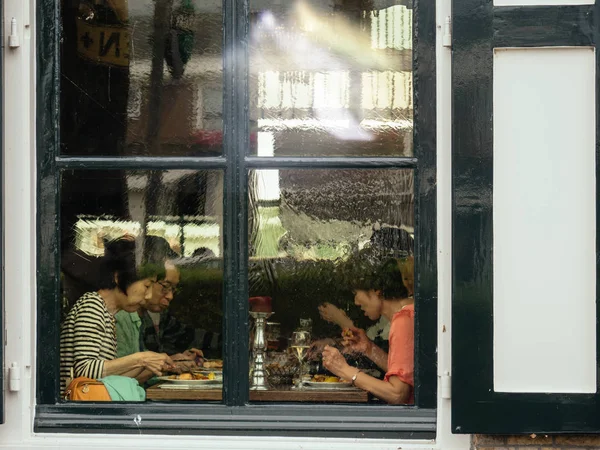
point(139, 163)
point(328, 162)
point(235, 142)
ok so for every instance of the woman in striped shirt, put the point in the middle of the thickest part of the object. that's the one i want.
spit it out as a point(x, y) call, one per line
point(88, 345)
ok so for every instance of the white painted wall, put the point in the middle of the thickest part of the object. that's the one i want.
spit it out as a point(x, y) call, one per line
point(20, 282)
point(544, 220)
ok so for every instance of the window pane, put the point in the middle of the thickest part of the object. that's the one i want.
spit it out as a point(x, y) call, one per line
point(331, 79)
point(173, 220)
point(317, 238)
point(141, 77)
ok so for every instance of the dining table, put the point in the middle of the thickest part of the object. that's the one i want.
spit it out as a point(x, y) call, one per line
point(165, 391)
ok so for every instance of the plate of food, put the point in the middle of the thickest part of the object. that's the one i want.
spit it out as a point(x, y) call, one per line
point(327, 382)
point(192, 378)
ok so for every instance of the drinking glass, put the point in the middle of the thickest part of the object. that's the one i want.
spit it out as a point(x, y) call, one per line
point(300, 344)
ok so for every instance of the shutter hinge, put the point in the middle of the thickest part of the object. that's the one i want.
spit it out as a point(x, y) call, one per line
point(447, 36)
point(446, 383)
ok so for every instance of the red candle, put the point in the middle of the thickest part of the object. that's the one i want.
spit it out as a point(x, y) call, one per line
point(260, 304)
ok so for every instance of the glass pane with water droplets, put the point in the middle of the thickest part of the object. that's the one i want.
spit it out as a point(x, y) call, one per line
point(141, 77)
point(144, 248)
point(311, 232)
point(331, 78)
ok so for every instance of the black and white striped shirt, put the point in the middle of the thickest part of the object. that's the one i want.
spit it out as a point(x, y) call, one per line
point(87, 339)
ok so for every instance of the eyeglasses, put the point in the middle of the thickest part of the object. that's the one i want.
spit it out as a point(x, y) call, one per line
point(168, 288)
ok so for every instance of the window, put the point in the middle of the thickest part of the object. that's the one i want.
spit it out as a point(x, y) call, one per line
point(265, 167)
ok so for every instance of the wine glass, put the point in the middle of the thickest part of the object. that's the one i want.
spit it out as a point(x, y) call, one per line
point(300, 344)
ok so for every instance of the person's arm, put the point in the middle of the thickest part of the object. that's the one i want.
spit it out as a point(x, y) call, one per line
point(141, 377)
point(333, 314)
point(137, 365)
point(393, 391)
point(128, 366)
point(378, 356)
point(316, 348)
point(360, 343)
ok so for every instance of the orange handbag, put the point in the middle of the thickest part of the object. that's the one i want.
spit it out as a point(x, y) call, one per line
point(82, 389)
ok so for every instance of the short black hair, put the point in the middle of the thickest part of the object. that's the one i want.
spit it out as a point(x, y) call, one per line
point(120, 259)
point(393, 242)
point(365, 272)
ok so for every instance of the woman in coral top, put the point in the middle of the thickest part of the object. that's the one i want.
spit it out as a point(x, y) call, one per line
point(380, 292)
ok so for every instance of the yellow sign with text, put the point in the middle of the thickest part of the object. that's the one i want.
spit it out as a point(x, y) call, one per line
point(103, 44)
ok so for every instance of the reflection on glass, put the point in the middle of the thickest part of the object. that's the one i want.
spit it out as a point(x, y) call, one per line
point(331, 79)
point(141, 77)
point(175, 220)
point(309, 231)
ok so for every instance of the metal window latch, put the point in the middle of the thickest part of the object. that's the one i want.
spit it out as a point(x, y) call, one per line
point(13, 38)
point(14, 377)
point(447, 36)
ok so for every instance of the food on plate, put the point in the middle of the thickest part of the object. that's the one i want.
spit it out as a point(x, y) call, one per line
point(213, 364)
point(325, 379)
point(193, 376)
point(347, 335)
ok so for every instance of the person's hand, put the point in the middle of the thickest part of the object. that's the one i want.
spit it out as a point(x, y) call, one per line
point(333, 314)
point(196, 355)
point(157, 363)
point(185, 366)
point(356, 341)
point(181, 357)
point(335, 362)
point(317, 347)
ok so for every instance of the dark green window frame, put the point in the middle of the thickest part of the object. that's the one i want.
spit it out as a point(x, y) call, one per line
point(235, 416)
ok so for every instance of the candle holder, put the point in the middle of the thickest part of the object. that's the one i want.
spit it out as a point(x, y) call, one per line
point(258, 381)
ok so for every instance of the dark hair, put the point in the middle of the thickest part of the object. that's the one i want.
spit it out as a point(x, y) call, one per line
point(203, 252)
point(393, 242)
point(120, 259)
point(157, 249)
point(366, 272)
